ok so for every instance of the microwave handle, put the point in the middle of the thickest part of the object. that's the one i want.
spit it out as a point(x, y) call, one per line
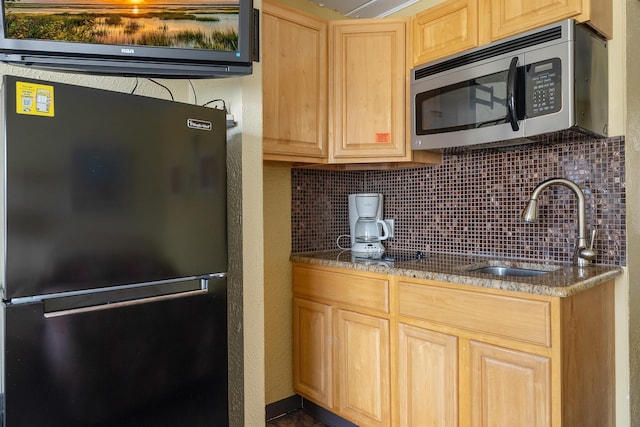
point(511, 94)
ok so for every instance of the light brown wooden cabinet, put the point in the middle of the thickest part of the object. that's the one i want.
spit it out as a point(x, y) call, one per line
point(294, 85)
point(508, 387)
point(363, 370)
point(457, 25)
point(312, 363)
point(410, 352)
point(335, 93)
point(509, 17)
point(368, 91)
point(444, 29)
point(524, 359)
point(427, 377)
point(341, 343)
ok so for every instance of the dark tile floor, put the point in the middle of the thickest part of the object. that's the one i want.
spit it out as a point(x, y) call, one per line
point(295, 419)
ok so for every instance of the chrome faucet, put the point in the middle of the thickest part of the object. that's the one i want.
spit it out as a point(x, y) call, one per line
point(583, 254)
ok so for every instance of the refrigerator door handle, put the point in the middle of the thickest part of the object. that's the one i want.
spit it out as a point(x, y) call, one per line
point(109, 306)
point(109, 298)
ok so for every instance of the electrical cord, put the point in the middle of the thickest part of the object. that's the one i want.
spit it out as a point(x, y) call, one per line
point(338, 241)
point(224, 105)
point(135, 87)
point(163, 86)
point(195, 94)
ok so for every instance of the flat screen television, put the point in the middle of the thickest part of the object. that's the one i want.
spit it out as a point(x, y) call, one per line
point(162, 38)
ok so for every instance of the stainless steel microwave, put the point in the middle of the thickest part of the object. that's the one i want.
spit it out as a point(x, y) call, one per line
point(549, 79)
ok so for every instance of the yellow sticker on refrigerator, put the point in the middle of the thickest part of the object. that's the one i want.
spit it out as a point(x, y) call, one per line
point(34, 99)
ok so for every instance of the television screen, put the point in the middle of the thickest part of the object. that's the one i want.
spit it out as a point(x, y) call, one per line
point(147, 37)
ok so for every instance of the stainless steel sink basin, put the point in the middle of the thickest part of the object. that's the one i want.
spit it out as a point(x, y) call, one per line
point(508, 271)
point(507, 268)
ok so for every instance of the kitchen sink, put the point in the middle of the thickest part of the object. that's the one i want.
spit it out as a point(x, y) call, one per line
point(505, 268)
point(508, 271)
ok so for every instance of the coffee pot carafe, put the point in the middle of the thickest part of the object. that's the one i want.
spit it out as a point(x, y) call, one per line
point(367, 228)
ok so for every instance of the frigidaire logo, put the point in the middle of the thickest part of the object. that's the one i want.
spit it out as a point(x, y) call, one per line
point(127, 50)
point(199, 124)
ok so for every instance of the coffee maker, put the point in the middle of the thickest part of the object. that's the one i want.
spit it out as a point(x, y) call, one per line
point(366, 225)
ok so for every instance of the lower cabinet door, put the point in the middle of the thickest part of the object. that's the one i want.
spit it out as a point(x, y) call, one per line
point(509, 388)
point(427, 378)
point(363, 369)
point(312, 368)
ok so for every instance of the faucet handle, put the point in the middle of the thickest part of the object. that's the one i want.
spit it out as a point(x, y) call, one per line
point(586, 255)
point(594, 232)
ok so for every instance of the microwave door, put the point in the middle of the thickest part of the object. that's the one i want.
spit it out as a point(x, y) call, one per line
point(472, 105)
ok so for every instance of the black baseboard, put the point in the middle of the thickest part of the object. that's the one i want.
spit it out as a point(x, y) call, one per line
point(296, 403)
point(283, 407)
point(324, 416)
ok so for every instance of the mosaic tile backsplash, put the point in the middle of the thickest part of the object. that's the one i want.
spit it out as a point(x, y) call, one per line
point(471, 203)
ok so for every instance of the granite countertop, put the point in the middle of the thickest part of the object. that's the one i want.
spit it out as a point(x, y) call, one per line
point(562, 280)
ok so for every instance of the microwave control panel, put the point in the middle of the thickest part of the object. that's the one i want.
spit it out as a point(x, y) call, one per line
point(543, 87)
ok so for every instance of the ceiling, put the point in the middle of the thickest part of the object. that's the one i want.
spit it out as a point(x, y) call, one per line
point(364, 8)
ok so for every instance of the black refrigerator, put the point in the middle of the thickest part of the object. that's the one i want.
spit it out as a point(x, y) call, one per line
point(114, 259)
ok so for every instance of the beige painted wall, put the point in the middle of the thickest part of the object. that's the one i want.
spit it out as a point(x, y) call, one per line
point(619, 120)
point(277, 283)
point(252, 247)
point(632, 114)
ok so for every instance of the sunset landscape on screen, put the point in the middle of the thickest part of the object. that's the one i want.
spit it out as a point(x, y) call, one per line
point(191, 24)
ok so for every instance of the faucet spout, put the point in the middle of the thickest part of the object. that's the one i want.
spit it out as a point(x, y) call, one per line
point(583, 254)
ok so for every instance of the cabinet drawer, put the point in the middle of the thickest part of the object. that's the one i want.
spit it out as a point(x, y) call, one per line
point(515, 318)
point(358, 291)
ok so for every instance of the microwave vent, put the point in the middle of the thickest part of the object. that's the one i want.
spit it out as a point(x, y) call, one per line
point(492, 51)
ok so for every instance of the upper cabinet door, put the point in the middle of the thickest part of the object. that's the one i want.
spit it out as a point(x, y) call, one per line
point(294, 85)
point(457, 25)
point(443, 30)
point(368, 91)
point(510, 17)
